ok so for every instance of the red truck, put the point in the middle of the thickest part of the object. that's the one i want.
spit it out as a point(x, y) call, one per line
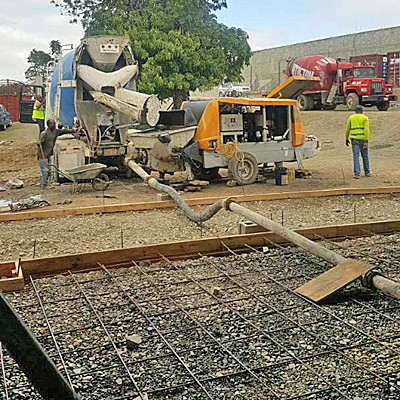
point(340, 83)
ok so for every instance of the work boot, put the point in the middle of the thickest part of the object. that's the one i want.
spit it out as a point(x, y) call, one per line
point(356, 177)
point(368, 175)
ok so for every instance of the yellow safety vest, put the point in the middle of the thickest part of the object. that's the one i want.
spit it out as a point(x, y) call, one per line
point(357, 127)
point(38, 112)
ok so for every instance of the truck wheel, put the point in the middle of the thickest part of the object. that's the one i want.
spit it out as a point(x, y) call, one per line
point(234, 94)
point(244, 172)
point(383, 106)
point(304, 102)
point(221, 94)
point(352, 101)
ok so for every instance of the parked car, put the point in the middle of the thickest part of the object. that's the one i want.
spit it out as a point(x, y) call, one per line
point(233, 89)
point(5, 118)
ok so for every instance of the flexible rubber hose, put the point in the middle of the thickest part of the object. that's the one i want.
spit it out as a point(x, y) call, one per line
point(209, 212)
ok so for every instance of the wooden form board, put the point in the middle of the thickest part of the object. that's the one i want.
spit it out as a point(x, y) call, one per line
point(188, 249)
point(152, 205)
point(333, 280)
point(13, 279)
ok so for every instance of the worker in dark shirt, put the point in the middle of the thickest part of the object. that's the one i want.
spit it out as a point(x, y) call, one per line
point(46, 142)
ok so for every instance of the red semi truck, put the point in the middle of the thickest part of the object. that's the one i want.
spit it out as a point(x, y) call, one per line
point(340, 83)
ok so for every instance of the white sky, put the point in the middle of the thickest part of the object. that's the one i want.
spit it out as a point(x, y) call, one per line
point(28, 24)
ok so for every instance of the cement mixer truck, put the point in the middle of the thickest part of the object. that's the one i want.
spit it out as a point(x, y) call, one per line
point(93, 88)
point(340, 83)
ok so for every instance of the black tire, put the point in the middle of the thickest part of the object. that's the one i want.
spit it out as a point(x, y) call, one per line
point(244, 172)
point(210, 174)
point(383, 106)
point(352, 101)
point(221, 94)
point(101, 182)
point(304, 102)
point(234, 94)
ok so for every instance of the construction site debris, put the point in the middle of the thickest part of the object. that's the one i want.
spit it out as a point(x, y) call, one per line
point(333, 280)
point(36, 201)
point(163, 197)
point(215, 291)
point(64, 202)
point(133, 341)
point(14, 183)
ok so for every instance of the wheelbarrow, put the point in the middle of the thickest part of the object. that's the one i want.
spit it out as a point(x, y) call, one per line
point(89, 173)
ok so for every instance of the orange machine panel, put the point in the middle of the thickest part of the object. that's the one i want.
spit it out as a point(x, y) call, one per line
point(298, 133)
point(208, 128)
point(207, 135)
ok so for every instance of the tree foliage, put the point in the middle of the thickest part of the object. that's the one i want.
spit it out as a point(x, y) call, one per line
point(83, 10)
point(38, 60)
point(179, 44)
point(55, 48)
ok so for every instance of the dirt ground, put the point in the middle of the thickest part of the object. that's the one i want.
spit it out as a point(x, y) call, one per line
point(332, 168)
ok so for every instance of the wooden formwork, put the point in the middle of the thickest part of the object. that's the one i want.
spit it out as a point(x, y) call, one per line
point(11, 276)
point(157, 205)
point(15, 272)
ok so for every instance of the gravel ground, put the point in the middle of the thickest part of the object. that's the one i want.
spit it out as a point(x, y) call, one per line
point(234, 322)
point(77, 234)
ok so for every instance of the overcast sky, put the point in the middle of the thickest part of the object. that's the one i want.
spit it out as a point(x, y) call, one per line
point(28, 24)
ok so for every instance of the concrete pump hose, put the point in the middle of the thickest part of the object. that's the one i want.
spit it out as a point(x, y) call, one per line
point(152, 182)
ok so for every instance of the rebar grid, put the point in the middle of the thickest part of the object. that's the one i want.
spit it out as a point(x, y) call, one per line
point(308, 332)
point(222, 350)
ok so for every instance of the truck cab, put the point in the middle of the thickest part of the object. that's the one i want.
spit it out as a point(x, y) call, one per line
point(359, 85)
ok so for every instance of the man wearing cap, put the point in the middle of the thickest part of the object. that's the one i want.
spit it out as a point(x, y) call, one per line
point(357, 131)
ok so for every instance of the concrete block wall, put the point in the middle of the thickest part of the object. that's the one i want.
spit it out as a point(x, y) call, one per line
point(266, 66)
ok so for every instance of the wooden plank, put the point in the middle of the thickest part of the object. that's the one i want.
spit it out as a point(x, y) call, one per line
point(191, 248)
point(153, 205)
point(333, 280)
point(6, 268)
point(12, 284)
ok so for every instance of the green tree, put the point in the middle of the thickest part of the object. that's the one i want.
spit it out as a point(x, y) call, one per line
point(83, 10)
point(38, 60)
point(179, 44)
point(55, 48)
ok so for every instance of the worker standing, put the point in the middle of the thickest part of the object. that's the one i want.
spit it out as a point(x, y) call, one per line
point(357, 131)
point(46, 142)
point(38, 113)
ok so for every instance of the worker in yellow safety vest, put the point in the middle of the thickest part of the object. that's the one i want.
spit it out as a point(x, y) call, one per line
point(357, 131)
point(38, 113)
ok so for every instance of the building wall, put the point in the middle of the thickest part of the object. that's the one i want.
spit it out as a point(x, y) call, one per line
point(265, 69)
